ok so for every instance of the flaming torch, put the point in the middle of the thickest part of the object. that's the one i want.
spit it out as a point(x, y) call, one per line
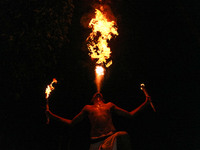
point(103, 30)
point(48, 91)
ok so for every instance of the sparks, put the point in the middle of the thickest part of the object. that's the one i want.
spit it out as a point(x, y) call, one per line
point(50, 88)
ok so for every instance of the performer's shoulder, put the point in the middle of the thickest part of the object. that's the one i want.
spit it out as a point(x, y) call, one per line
point(87, 107)
point(111, 104)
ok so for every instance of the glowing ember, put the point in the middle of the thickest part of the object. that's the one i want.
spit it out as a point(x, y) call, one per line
point(50, 88)
point(102, 31)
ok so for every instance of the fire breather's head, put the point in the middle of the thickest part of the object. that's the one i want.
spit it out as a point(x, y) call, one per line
point(97, 97)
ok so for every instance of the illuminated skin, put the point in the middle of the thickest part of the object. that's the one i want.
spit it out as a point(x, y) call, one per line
point(99, 115)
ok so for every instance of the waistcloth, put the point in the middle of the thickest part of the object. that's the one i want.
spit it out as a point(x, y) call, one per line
point(105, 143)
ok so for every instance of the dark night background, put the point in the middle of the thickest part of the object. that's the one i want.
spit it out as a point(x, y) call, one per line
point(158, 44)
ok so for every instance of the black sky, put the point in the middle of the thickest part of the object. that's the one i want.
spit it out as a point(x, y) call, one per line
point(158, 44)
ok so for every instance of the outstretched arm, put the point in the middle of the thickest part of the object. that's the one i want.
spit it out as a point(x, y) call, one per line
point(58, 118)
point(125, 113)
point(72, 122)
point(133, 112)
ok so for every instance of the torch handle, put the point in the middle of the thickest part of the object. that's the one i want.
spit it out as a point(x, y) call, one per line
point(147, 95)
point(47, 109)
point(153, 107)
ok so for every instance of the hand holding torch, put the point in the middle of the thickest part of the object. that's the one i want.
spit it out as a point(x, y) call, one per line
point(47, 109)
point(142, 86)
point(48, 90)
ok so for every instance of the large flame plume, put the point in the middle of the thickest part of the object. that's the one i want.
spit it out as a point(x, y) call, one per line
point(102, 31)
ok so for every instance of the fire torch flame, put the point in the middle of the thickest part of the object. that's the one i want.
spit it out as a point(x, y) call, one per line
point(50, 88)
point(99, 70)
point(102, 31)
point(99, 76)
point(98, 43)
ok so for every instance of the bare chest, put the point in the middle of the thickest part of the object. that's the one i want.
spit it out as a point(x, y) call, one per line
point(97, 111)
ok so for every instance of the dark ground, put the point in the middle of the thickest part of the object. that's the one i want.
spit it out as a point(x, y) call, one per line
point(158, 44)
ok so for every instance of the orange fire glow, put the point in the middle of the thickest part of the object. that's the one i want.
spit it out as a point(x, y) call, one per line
point(102, 31)
point(50, 88)
point(99, 70)
point(99, 76)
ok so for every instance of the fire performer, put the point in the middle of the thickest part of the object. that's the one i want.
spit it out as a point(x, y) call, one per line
point(103, 133)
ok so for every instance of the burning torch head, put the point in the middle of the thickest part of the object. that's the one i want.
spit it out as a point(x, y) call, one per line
point(97, 97)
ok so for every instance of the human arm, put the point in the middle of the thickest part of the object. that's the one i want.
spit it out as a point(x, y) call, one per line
point(58, 118)
point(72, 122)
point(125, 113)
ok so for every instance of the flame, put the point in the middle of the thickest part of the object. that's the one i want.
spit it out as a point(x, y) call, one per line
point(99, 76)
point(98, 43)
point(142, 86)
point(99, 70)
point(50, 88)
